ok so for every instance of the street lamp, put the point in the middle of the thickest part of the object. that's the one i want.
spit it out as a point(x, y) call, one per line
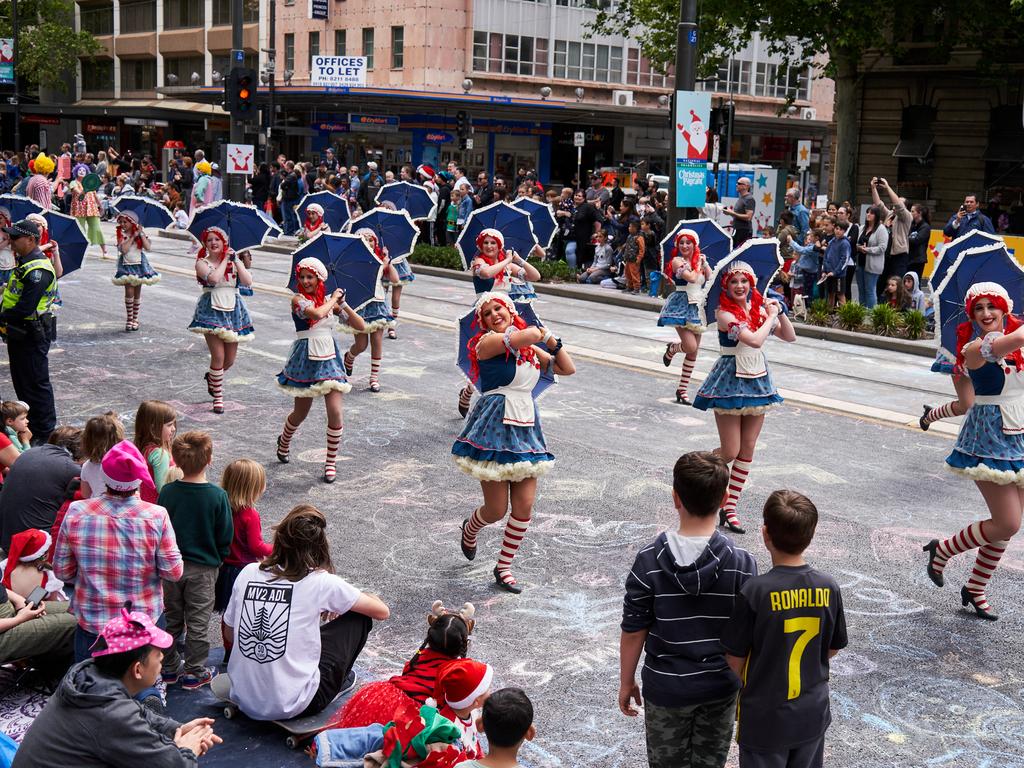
point(265, 78)
point(579, 94)
point(197, 79)
point(467, 85)
point(172, 79)
point(288, 75)
point(217, 76)
point(664, 100)
point(545, 92)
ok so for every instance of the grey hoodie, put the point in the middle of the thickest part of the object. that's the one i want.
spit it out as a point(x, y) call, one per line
point(92, 722)
point(917, 300)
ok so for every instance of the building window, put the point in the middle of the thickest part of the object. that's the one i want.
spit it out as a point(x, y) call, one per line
point(98, 20)
point(138, 74)
point(397, 47)
point(510, 54)
point(289, 51)
point(314, 47)
point(368, 46)
point(181, 14)
point(587, 61)
point(339, 42)
point(640, 71)
point(221, 62)
point(222, 12)
point(183, 67)
point(138, 16)
point(781, 81)
point(98, 75)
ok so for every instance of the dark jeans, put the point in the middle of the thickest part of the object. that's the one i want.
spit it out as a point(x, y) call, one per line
point(341, 641)
point(808, 755)
point(851, 271)
point(30, 374)
point(740, 236)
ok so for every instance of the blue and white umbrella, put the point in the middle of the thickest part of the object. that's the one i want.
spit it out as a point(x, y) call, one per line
point(350, 264)
point(20, 206)
point(335, 209)
point(989, 263)
point(541, 217)
point(394, 229)
point(468, 328)
point(244, 224)
point(69, 236)
point(513, 223)
point(151, 213)
point(415, 200)
point(275, 228)
point(952, 250)
point(762, 254)
point(715, 242)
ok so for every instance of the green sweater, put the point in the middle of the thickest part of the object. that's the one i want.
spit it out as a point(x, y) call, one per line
point(201, 517)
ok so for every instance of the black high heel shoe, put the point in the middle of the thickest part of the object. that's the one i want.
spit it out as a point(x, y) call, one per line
point(206, 376)
point(723, 522)
point(667, 357)
point(508, 586)
point(922, 421)
point(282, 457)
point(967, 598)
point(469, 552)
point(681, 398)
point(934, 575)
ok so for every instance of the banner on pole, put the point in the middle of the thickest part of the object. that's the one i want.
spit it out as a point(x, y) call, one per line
point(338, 71)
point(6, 61)
point(241, 159)
point(693, 112)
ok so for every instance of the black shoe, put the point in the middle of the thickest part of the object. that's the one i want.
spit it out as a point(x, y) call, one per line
point(934, 575)
point(348, 683)
point(512, 587)
point(667, 357)
point(967, 598)
point(330, 478)
point(469, 552)
point(209, 386)
point(282, 457)
point(681, 398)
point(218, 409)
point(154, 703)
point(723, 521)
point(922, 421)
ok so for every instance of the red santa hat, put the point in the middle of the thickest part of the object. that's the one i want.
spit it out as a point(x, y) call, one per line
point(461, 682)
point(26, 547)
point(426, 171)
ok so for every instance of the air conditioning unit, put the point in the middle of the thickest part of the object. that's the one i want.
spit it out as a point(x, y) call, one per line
point(808, 113)
point(622, 98)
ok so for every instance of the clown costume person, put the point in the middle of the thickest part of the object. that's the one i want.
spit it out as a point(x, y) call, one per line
point(375, 315)
point(689, 270)
point(502, 444)
point(314, 224)
point(739, 388)
point(85, 206)
point(314, 366)
point(133, 269)
point(493, 269)
point(220, 315)
point(990, 446)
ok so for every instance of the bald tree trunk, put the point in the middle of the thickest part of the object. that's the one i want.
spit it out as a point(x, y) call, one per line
point(847, 120)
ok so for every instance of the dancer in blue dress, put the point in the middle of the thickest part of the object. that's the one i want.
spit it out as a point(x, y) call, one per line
point(990, 446)
point(689, 270)
point(502, 444)
point(376, 317)
point(221, 315)
point(133, 269)
point(314, 366)
point(739, 388)
point(494, 269)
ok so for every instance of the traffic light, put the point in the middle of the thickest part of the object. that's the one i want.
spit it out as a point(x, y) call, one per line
point(240, 92)
point(721, 118)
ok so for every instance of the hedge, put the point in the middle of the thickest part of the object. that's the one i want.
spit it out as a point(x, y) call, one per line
point(448, 258)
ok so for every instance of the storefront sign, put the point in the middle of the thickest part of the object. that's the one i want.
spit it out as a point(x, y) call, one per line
point(331, 127)
point(438, 137)
point(338, 71)
point(40, 119)
point(693, 110)
point(146, 122)
point(318, 9)
point(374, 123)
point(803, 154)
point(6, 61)
point(99, 128)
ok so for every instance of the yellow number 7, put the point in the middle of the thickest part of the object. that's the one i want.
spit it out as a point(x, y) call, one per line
point(808, 627)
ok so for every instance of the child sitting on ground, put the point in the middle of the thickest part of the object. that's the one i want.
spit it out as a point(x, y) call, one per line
point(461, 689)
point(785, 626)
point(895, 294)
point(101, 433)
point(180, 215)
point(15, 415)
point(507, 721)
point(447, 640)
point(27, 567)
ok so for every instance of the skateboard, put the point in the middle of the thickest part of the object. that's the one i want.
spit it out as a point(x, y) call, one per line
point(299, 729)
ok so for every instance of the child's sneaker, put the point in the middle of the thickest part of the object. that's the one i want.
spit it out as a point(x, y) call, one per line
point(170, 677)
point(192, 682)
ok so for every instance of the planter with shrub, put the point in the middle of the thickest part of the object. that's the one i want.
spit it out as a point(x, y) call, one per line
point(446, 257)
point(880, 320)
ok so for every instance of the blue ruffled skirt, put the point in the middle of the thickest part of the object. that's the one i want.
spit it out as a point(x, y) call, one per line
point(233, 327)
point(489, 449)
point(377, 316)
point(522, 293)
point(404, 271)
point(723, 391)
point(984, 452)
point(679, 310)
point(135, 274)
point(302, 377)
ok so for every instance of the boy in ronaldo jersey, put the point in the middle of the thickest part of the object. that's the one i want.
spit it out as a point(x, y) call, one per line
point(784, 628)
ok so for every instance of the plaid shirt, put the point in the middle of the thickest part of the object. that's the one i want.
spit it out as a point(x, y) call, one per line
point(116, 549)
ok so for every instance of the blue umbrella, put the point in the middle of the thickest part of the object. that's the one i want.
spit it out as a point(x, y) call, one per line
point(411, 198)
point(394, 229)
point(244, 223)
point(151, 213)
point(335, 209)
point(949, 254)
point(715, 242)
point(69, 236)
point(275, 228)
point(350, 264)
point(468, 329)
point(989, 263)
point(513, 223)
point(20, 206)
point(541, 217)
point(762, 254)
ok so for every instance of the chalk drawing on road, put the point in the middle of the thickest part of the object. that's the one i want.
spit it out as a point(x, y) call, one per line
point(808, 471)
point(583, 614)
point(866, 596)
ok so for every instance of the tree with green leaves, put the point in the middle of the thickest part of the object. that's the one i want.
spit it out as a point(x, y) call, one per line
point(48, 45)
point(851, 35)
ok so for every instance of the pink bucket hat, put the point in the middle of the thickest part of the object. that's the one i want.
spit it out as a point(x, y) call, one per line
point(124, 469)
point(129, 631)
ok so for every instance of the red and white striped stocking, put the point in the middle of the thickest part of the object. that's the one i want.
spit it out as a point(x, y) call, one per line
point(216, 382)
point(333, 442)
point(737, 479)
point(984, 566)
point(515, 530)
point(971, 537)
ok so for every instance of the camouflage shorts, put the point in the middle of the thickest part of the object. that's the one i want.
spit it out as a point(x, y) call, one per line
point(696, 736)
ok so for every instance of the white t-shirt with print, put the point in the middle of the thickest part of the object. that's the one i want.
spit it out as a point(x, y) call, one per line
point(92, 473)
point(275, 660)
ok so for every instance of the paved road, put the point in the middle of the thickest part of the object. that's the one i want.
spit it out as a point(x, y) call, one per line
point(922, 683)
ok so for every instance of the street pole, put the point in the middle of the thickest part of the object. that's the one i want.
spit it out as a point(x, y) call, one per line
point(236, 181)
point(686, 79)
point(728, 137)
point(17, 101)
point(272, 71)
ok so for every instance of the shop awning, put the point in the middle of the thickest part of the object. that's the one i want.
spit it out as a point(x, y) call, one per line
point(916, 147)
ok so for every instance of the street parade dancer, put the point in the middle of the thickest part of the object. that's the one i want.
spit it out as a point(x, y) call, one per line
point(502, 444)
point(220, 315)
point(314, 225)
point(7, 260)
point(133, 269)
point(990, 446)
point(405, 275)
point(375, 315)
point(85, 206)
point(314, 365)
point(739, 388)
point(689, 270)
point(493, 269)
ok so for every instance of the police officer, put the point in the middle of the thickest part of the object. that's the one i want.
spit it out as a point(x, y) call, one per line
point(29, 326)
